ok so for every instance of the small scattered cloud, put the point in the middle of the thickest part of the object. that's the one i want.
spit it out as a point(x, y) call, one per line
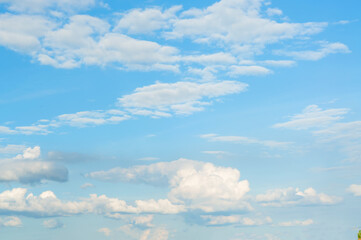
point(325, 50)
point(105, 231)
point(87, 185)
point(313, 117)
point(243, 140)
point(354, 189)
point(10, 222)
point(53, 224)
point(296, 223)
point(294, 196)
point(218, 220)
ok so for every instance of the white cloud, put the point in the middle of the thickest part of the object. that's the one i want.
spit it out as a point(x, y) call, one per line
point(87, 185)
point(221, 58)
point(27, 168)
point(135, 233)
point(87, 40)
point(279, 63)
point(12, 148)
point(274, 12)
point(313, 117)
point(219, 153)
point(326, 49)
point(294, 196)
point(248, 70)
point(139, 21)
point(177, 98)
point(10, 222)
point(236, 220)
point(156, 100)
point(17, 201)
point(89, 118)
point(155, 234)
point(237, 22)
point(243, 140)
point(33, 129)
point(355, 189)
point(6, 130)
point(53, 224)
point(328, 129)
point(296, 223)
point(38, 6)
point(197, 184)
point(105, 231)
point(22, 32)
point(137, 220)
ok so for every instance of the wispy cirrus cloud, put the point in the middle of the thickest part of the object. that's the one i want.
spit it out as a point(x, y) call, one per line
point(243, 140)
point(294, 196)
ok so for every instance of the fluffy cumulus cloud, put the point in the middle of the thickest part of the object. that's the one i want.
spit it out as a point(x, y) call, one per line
point(28, 168)
point(198, 185)
point(138, 21)
point(313, 117)
point(165, 99)
point(22, 33)
point(243, 140)
point(294, 196)
point(10, 222)
point(238, 23)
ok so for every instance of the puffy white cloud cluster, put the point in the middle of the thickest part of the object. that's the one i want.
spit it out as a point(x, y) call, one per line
point(28, 168)
point(139, 21)
point(238, 23)
point(18, 201)
point(294, 196)
point(199, 185)
point(54, 33)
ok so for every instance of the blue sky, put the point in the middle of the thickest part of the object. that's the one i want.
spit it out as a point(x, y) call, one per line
point(236, 119)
